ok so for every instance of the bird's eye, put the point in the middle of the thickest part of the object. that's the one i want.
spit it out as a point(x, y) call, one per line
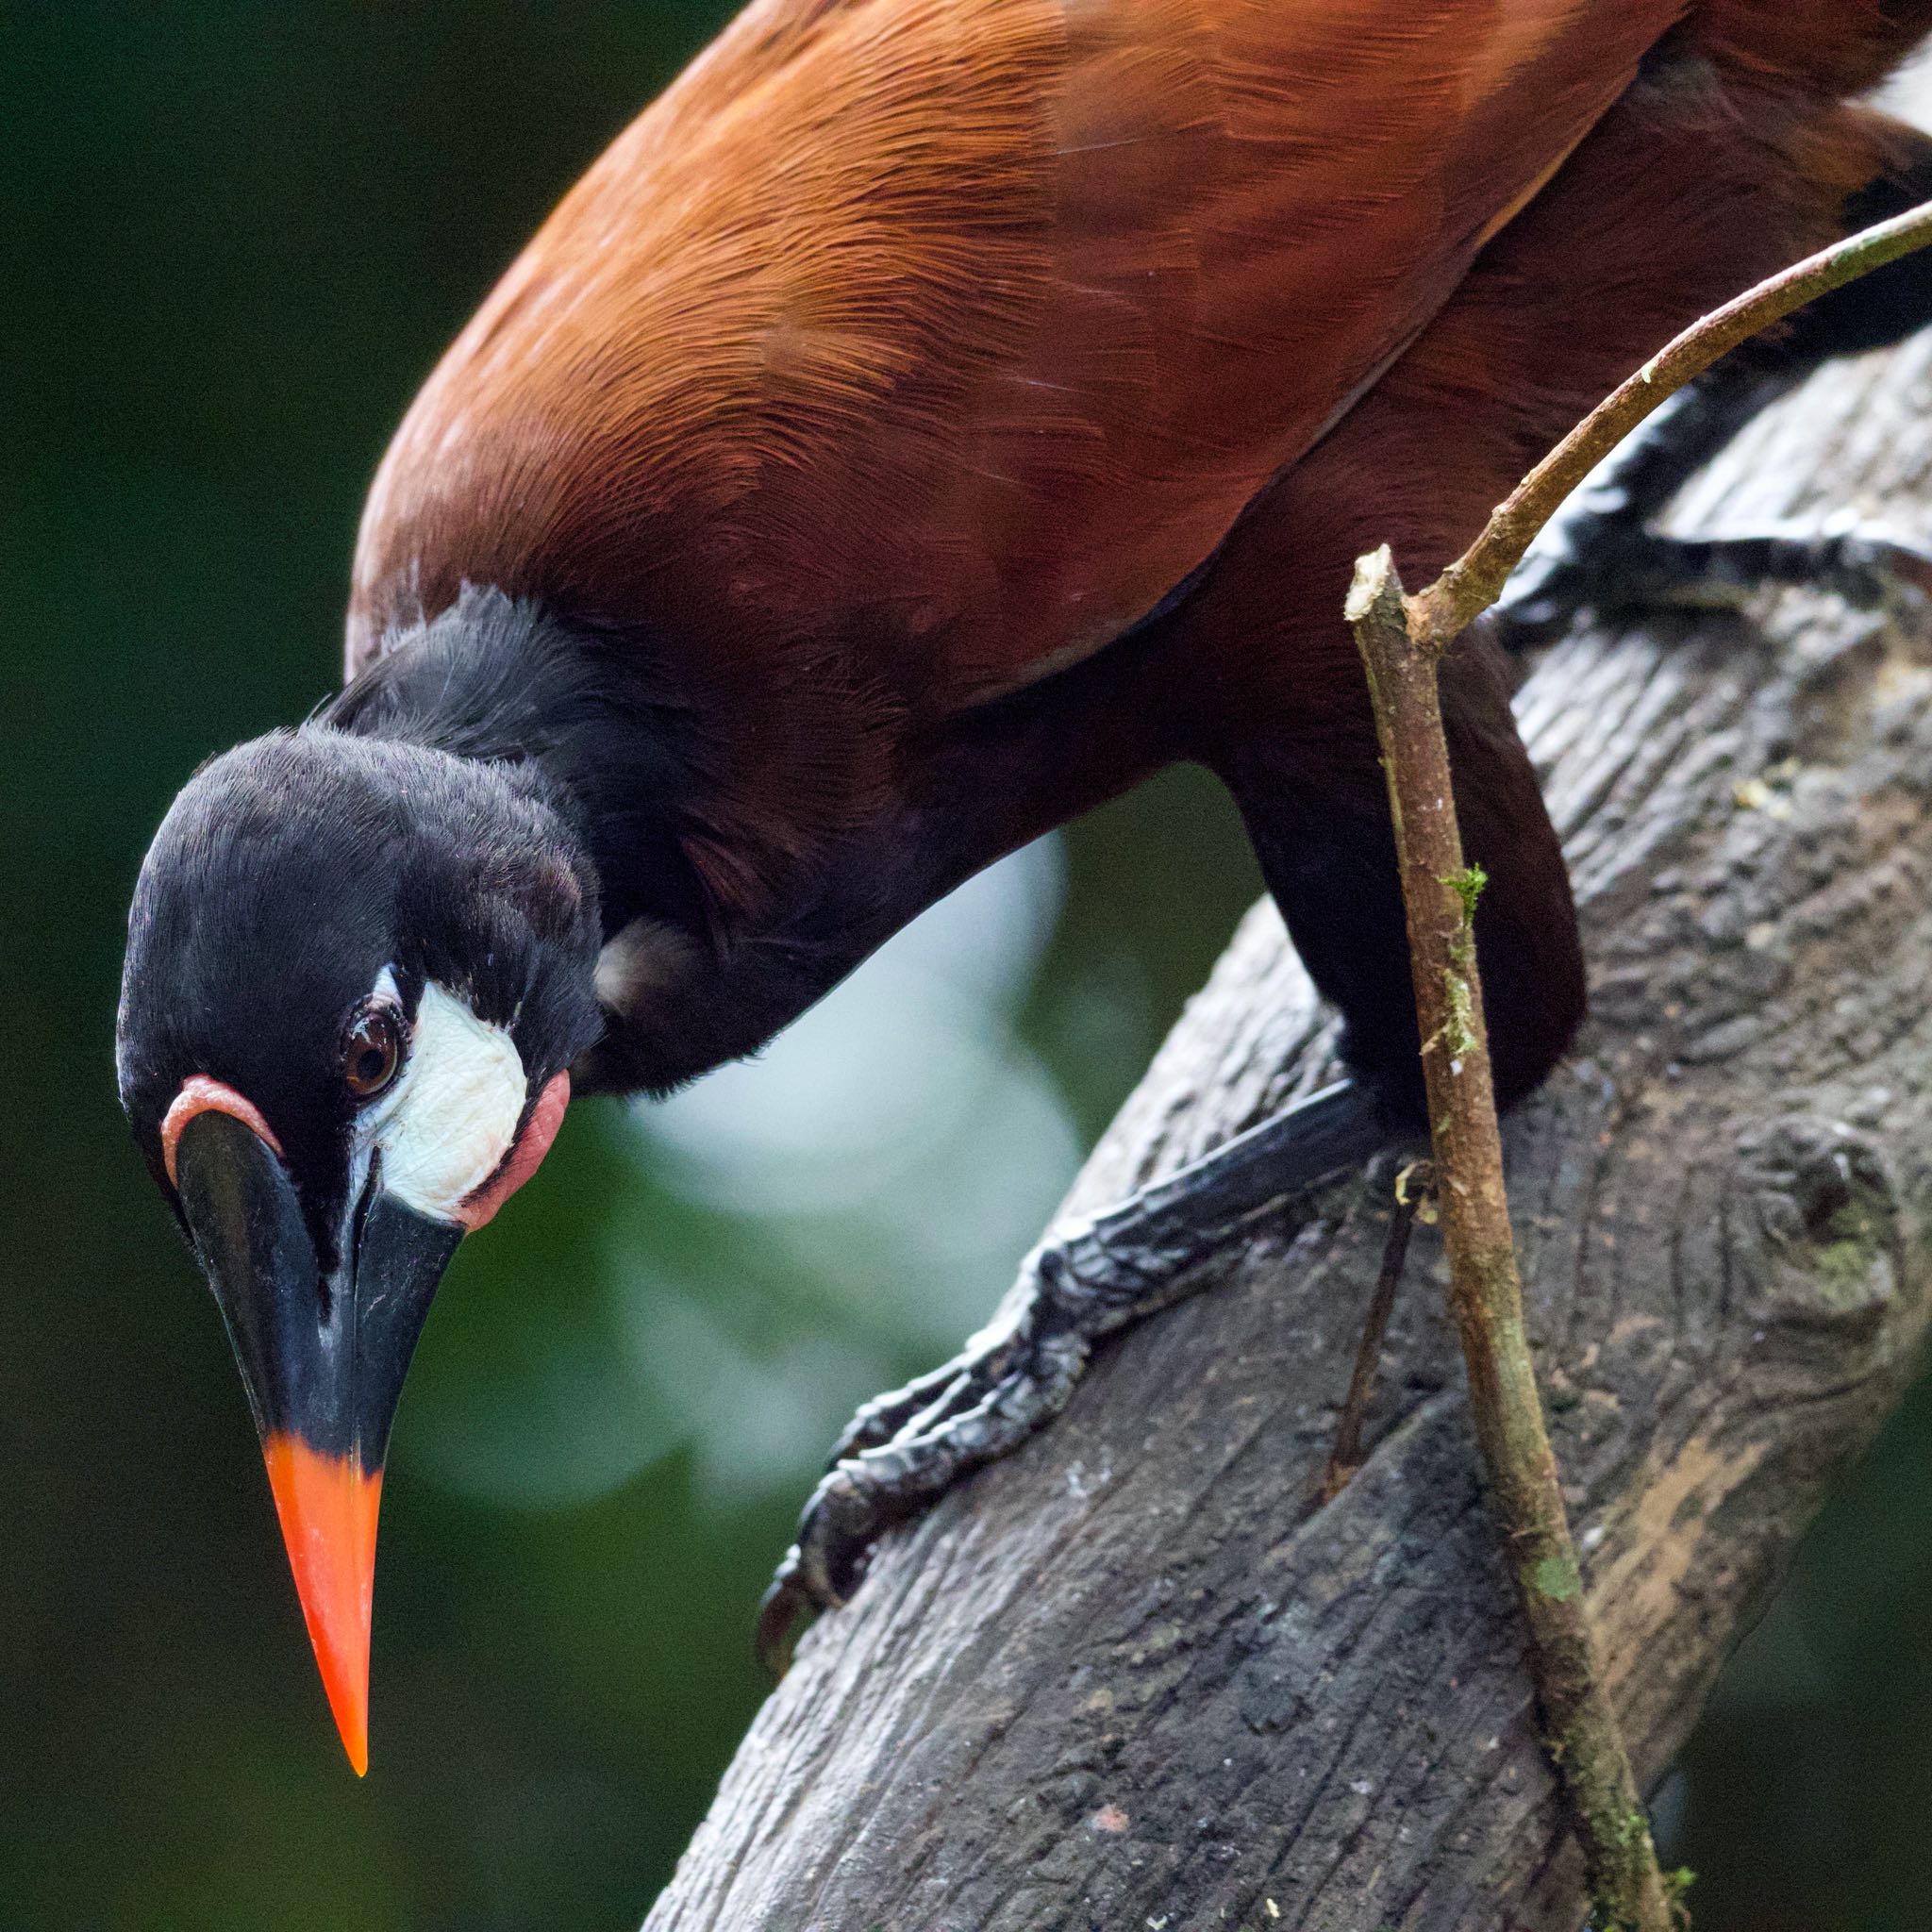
point(372, 1050)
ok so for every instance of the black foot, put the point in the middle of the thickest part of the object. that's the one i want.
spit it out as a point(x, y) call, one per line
point(1602, 555)
point(904, 1450)
point(1624, 571)
point(1586, 556)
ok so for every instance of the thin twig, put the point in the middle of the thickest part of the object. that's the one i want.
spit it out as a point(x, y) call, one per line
point(1447, 607)
point(1402, 640)
point(1486, 1296)
point(1345, 1456)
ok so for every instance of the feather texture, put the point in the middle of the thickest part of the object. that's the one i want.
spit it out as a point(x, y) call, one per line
point(949, 336)
point(933, 415)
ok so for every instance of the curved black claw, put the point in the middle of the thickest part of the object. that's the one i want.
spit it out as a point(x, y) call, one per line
point(1871, 567)
point(779, 1610)
point(980, 1406)
point(822, 1570)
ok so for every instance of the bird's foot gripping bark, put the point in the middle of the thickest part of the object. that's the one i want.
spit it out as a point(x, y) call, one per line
point(906, 1449)
point(1602, 554)
point(1627, 569)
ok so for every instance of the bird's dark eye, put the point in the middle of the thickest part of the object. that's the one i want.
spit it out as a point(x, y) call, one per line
point(372, 1050)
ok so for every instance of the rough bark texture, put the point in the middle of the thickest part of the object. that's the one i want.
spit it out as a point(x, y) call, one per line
point(1134, 1678)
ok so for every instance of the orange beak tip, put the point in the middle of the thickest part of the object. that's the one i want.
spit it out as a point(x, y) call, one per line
point(328, 1505)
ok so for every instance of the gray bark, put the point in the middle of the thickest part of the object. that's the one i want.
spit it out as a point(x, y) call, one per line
point(1134, 1678)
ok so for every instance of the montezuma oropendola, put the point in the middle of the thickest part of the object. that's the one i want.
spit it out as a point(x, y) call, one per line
point(928, 419)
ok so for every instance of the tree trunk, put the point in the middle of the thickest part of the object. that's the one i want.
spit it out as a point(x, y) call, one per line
point(1134, 1678)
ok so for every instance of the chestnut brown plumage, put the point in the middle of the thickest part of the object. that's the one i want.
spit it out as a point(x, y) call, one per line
point(928, 419)
point(904, 355)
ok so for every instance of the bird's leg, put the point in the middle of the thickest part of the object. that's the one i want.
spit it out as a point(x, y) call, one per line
point(1328, 854)
point(1604, 555)
point(1095, 1276)
point(1865, 567)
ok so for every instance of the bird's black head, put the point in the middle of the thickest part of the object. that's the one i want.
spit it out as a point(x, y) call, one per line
point(357, 973)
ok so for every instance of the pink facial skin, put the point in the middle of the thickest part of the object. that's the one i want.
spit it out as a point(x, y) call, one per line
point(532, 1145)
point(201, 1094)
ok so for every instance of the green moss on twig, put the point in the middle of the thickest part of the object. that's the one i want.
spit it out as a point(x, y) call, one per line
point(1468, 886)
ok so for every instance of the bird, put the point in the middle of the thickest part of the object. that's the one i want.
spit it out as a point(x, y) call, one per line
point(928, 419)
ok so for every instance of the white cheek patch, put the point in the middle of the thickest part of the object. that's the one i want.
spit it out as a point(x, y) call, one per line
point(446, 1125)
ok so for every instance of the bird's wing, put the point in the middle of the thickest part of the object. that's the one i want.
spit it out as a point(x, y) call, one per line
point(955, 334)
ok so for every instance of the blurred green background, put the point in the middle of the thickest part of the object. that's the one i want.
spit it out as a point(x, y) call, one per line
point(236, 238)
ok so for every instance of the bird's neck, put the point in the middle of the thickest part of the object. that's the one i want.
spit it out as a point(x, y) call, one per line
point(509, 683)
